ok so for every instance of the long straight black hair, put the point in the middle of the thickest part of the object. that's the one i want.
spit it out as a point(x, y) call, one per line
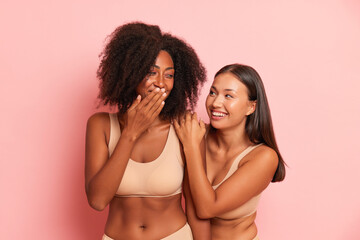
point(259, 127)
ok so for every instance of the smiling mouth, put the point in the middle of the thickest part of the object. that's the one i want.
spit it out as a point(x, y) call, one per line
point(218, 115)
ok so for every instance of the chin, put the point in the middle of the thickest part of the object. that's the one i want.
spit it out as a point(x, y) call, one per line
point(216, 124)
point(222, 125)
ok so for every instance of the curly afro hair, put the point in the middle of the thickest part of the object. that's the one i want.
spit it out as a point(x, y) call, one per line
point(128, 57)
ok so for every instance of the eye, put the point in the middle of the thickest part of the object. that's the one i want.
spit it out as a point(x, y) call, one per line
point(171, 76)
point(152, 73)
point(228, 96)
point(211, 93)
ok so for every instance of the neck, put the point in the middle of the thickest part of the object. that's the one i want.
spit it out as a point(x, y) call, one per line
point(158, 121)
point(232, 138)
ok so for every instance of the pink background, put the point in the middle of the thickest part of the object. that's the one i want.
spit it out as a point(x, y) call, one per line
point(307, 53)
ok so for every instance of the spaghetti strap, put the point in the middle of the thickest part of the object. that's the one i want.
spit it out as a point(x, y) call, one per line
point(235, 164)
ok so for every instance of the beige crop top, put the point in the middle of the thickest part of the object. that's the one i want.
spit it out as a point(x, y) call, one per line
point(250, 206)
point(159, 178)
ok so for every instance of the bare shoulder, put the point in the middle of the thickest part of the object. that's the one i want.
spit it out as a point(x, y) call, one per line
point(98, 131)
point(264, 156)
point(265, 152)
point(98, 120)
point(98, 126)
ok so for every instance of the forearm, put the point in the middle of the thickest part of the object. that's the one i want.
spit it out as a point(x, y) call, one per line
point(204, 197)
point(103, 186)
point(200, 227)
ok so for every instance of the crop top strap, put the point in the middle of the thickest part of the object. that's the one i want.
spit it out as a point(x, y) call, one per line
point(235, 164)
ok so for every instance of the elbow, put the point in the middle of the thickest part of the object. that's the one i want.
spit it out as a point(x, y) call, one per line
point(205, 210)
point(96, 203)
point(97, 206)
point(204, 213)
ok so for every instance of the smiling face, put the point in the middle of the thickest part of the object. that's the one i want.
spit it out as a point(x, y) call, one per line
point(161, 75)
point(227, 103)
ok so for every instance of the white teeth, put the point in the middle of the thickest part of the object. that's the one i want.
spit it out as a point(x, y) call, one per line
point(218, 114)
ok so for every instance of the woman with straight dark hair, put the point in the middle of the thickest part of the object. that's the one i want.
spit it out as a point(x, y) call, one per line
point(241, 153)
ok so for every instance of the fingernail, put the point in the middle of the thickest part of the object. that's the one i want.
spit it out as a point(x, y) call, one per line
point(157, 89)
point(163, 89)
point(164, 94)
point(162, 102)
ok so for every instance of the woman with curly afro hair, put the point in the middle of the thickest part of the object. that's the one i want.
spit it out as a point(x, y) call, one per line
point(134, 161)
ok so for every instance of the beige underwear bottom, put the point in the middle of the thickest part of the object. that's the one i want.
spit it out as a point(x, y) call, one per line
point(183, 233)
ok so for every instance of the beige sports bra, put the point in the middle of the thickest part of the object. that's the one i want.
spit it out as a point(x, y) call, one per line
point(250, 206)
point(162, 177)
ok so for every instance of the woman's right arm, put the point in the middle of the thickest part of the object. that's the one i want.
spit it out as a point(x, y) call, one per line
point(249, 180)
point(103, 174)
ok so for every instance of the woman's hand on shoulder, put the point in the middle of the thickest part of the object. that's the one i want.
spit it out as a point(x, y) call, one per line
point(142, 113)
point(190, 129)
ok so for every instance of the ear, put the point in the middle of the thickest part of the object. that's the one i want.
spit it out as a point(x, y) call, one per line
point(251, 107)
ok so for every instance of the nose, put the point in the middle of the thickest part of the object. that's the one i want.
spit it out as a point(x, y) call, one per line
point(159, 81)
point(218, 101)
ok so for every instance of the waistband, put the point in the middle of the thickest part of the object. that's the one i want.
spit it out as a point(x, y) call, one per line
point(183, 233)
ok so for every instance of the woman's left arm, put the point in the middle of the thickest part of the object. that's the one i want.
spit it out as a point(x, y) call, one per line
point(200, 227)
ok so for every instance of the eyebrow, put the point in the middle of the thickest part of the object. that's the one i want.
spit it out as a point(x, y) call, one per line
point(230, 90)
point(227, 89)
point(156, 66)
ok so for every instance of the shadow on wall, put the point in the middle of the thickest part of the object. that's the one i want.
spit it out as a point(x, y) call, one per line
point(85, 222)
point(353, 231)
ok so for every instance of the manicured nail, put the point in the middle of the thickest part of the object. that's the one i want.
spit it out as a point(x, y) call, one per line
point(157, 89)
point(162, 102)
point(163, 89)
point(164, 95)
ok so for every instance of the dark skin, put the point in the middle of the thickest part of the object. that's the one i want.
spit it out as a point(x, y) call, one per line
point(143, 137)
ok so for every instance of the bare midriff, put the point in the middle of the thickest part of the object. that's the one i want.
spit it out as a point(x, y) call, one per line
point(144, 217)
point(239, 228)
